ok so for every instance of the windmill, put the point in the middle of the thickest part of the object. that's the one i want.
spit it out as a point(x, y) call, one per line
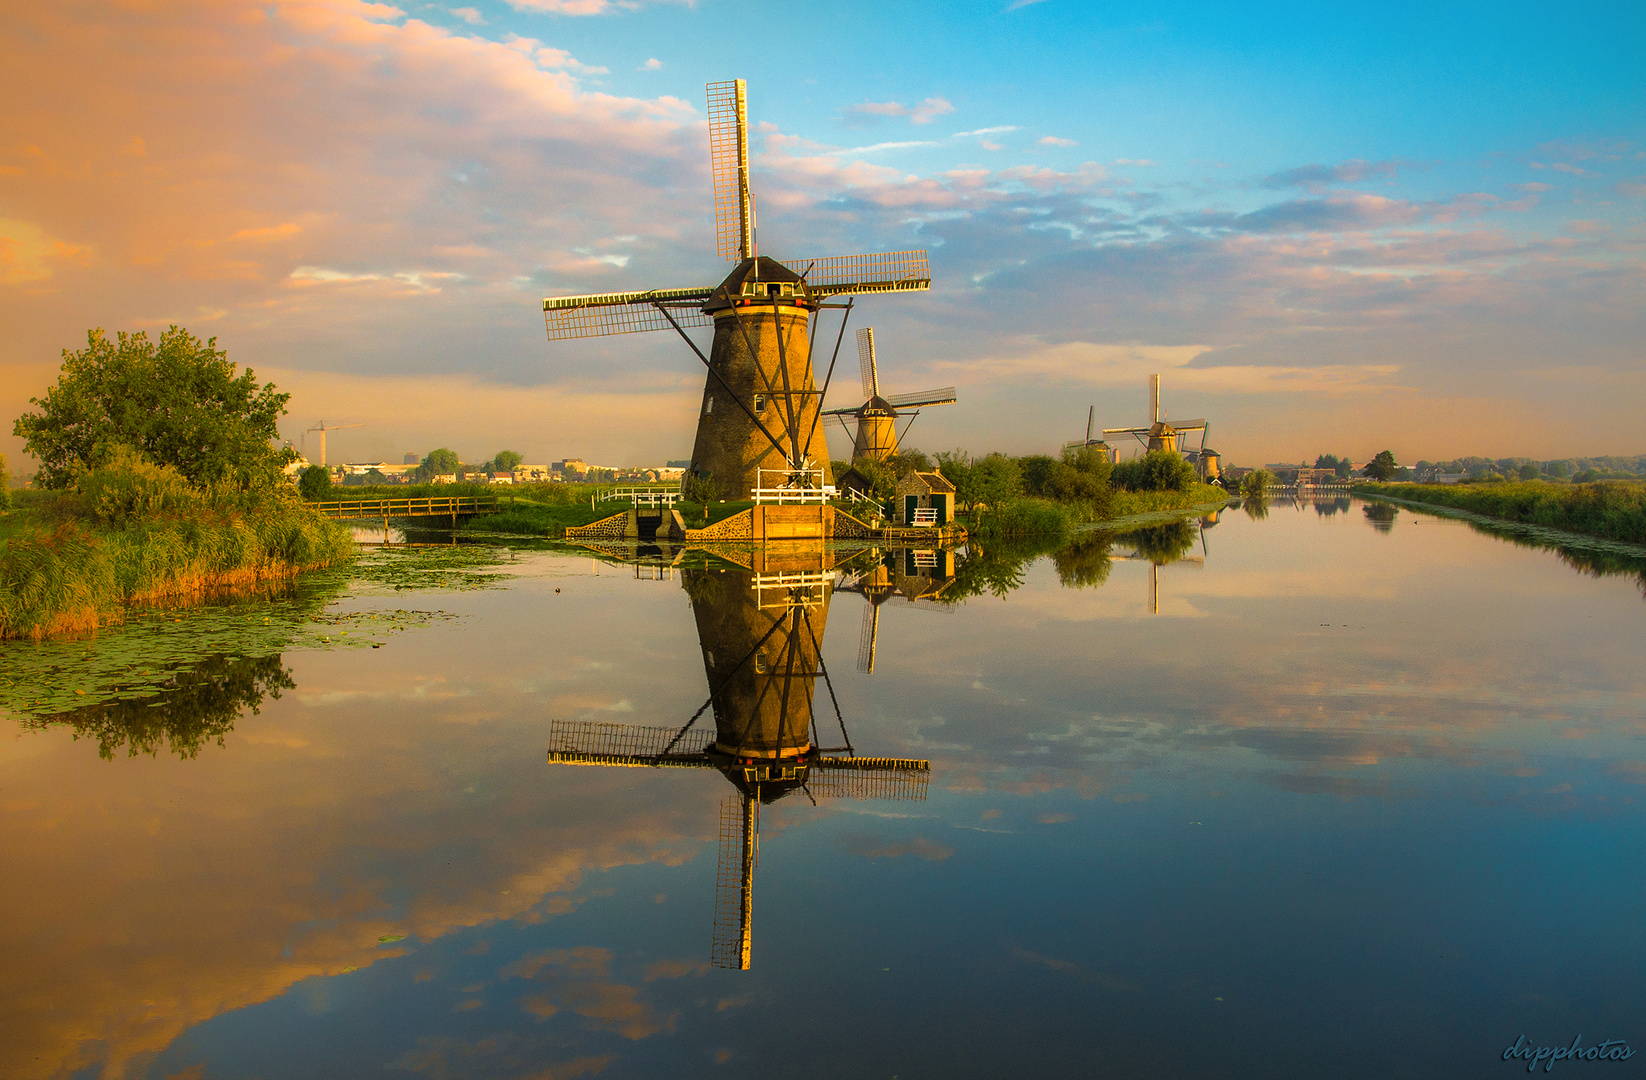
point(1161, 435)
point(1090, 443)
point(322, 429)
point(760, 634)
point(761, 405)
point(877, 417)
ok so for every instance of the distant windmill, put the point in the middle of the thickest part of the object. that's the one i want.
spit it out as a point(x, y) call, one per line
point(1161, 435)
point(877, 417)
point(760, 635)
point(1090, 443)
point(322, 429)
point(761, 406)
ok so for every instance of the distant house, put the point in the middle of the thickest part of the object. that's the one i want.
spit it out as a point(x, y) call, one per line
point(444, 478)
point(501, 478)
point(571, 467)
point(531, 474)
point(924, 498)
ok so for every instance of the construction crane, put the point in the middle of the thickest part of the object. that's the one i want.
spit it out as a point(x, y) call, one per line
point(322, 429)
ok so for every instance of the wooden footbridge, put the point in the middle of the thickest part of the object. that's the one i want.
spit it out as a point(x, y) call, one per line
point(384, 509)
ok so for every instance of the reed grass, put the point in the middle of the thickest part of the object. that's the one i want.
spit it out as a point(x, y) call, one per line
point(1131, 503)
point(1615, 510)
point(66, 571)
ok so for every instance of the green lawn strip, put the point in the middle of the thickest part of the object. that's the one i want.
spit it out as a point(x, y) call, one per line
point(1611, 510)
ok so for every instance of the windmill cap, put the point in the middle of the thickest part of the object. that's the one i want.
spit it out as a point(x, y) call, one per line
point(761, 270)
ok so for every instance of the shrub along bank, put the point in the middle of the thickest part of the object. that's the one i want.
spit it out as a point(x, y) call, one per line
point(1615, 510)
point(131, 532)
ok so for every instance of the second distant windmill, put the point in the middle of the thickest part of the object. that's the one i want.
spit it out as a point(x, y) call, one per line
point(877, 436)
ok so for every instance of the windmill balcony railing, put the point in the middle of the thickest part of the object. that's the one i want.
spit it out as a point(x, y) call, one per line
point(791, 486)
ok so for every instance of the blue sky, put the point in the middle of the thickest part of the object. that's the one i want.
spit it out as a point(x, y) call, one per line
point(1333, 230)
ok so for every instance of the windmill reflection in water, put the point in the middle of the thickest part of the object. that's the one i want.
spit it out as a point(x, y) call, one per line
point(761, 635)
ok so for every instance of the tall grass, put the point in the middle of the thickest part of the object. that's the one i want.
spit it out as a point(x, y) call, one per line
point(67, 570)
point(1615, 510)
point(1131, 503)
point(1020, 518)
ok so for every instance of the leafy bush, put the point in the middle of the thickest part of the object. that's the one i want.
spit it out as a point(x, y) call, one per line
point(5, 485)
point(882, 478)
point(1158, 470)
point(314, 482)
point(128, 488)
point(1255, 484)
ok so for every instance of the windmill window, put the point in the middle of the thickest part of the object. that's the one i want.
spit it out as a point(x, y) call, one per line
point(760, 403)
point(761, 665)
point(709, 407)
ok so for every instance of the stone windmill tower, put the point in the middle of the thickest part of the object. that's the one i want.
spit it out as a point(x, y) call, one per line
point(758, 422)
point(877, 417)
point(761, 637)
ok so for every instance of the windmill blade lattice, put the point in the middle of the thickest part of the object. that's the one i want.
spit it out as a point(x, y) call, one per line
point(865, 359)
point(869, 778)
point(943, 396)
point(729, 162)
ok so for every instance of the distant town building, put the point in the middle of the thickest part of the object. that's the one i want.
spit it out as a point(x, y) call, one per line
point(410, 459)
point(501, 478)
point(531, 474)
point(571, 467)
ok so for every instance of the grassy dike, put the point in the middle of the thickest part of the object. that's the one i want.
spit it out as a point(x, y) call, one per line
point(1614, 510)
point(65, 570)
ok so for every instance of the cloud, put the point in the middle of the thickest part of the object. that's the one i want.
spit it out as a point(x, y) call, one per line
point(1053, 140)
point(469, 15)
point(650, 65)
point(1134, 162)
point(870, 112)
point(1016, 4)
point(28, 253)
point(1634, 189)
point(1000, 130)
point(1316, 177)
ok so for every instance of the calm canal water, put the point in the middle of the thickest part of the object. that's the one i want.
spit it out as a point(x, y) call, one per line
point(1330, 793)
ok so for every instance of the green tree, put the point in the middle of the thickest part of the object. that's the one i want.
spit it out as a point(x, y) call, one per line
point(441, 462)
point(1382, 467)
point(995, 479)
point(1344, 468)
point(177, 402)
point(314, 482)
point(5, 485)
point(1255, 484)
point(507, 460)
point(955, 466)
point(1528, 471)
point(882, 478)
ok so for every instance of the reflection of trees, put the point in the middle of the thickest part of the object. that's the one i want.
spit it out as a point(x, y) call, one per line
point(1593, 561)
point(1328, 507)
point(1162, 543)
point(1381, 515)
point(1256, 508)
point(1084, 561)
point(995, 568)
point(201, 706)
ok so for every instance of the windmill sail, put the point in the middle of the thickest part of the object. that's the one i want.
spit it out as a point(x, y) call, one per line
point(729, 163)
point(604, 314)
point(944, 396)
point(865, 359)
point(734, 883)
